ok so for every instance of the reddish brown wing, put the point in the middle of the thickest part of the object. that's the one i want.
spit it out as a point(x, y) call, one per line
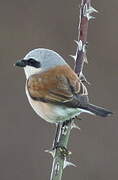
point(57, 85)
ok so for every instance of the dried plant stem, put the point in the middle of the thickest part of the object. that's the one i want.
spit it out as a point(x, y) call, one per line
point(59, 160)
point(60, 154)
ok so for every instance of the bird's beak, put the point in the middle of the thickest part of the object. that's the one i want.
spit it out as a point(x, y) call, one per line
point(21, 63)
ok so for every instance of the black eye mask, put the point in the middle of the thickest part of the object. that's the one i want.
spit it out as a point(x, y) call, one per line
point(33, 62)
point(28, 62)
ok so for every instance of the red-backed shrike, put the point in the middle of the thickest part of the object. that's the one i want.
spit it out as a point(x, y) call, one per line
point(54, 90)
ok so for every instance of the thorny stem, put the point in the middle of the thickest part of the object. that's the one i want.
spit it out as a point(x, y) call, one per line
point(60, 154)
point(85, 15)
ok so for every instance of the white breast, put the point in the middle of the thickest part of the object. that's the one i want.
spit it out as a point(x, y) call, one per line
point(52, 113)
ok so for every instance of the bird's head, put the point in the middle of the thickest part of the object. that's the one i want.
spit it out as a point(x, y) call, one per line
point(39, 60)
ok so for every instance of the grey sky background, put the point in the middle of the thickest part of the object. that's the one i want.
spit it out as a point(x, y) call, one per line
point(28, 24)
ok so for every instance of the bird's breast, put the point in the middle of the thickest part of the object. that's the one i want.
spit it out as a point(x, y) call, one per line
point(51, 112)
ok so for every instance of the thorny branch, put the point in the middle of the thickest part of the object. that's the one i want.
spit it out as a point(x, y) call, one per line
point(60, 154)
point(80, 58)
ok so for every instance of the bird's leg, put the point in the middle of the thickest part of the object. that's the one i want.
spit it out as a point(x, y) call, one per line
point(57, 134)
point(56, 140)
point(65, 123)
point(63, 130)
point(64, 151)
point(59, 126)
point(78, 118)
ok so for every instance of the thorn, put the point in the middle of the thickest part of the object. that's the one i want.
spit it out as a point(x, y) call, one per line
point(88, 10)
point(91, 10)
point(85, 10)
point(85, 47)
point(75, 126)
point(78, 118)
point(90, 17)
point(87, 82)
point(79, 44)
point(67, 163)
point(73, 56)
point(85, 59)
point(52, 152)
point(83, 79)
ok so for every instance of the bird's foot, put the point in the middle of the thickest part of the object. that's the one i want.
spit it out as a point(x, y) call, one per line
point(63, 151)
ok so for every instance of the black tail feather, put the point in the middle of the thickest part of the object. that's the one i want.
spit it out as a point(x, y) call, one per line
point(98, 110)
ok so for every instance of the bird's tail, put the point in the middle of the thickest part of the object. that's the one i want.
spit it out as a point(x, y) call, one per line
point(98, 110)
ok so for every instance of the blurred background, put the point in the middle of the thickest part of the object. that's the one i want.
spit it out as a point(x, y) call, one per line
point(28, 24)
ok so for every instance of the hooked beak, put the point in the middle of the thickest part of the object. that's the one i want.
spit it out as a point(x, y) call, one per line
point(21, 63)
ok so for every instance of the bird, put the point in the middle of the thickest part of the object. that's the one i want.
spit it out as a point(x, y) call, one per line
point(53, 89)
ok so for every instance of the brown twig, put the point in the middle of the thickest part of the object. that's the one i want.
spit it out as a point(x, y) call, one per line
point(85, 15)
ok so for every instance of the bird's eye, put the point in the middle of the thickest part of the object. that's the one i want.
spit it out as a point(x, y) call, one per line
point(33, 62)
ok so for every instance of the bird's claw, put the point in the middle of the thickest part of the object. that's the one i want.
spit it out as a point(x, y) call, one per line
point(64, 151)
